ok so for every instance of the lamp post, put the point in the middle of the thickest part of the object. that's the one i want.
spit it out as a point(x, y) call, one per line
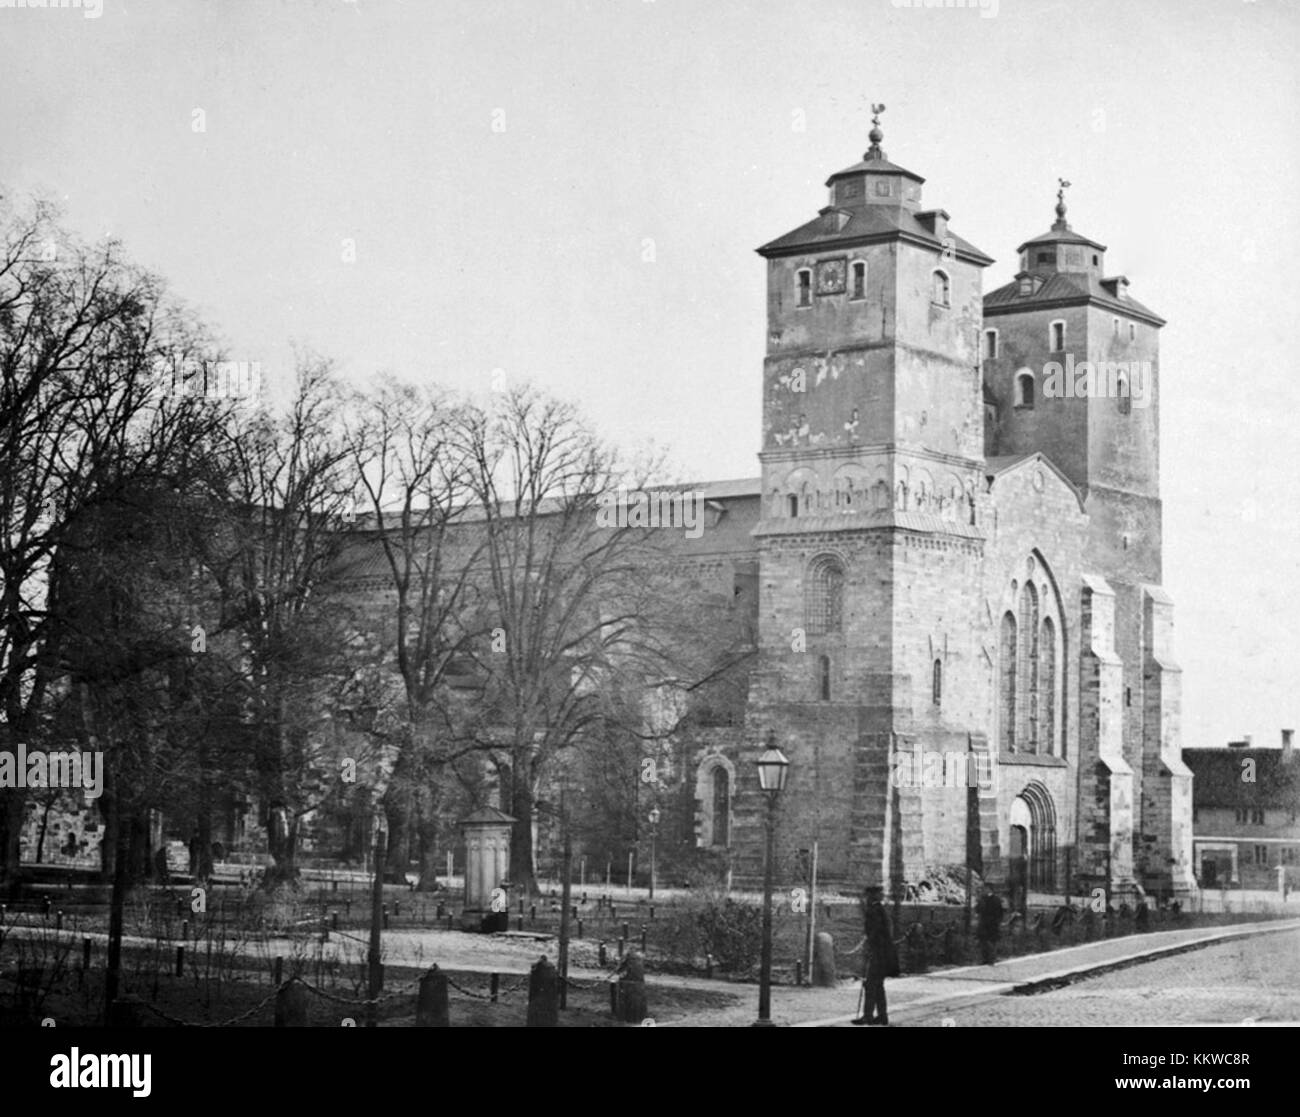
point(654, 833)
point(772, 770)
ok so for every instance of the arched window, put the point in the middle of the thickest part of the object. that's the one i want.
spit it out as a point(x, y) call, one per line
point(1007, 682)
point(936, 683)
point(721, 806)
point(1027, 732)
point(793, 500)
point(1025, 389)
point(1047, 684)
point(805, 286)
point(1056, 336)
point(1123, 397)
point(824, 677)
point(990, 345)
point(824, 596)
point(942, 289)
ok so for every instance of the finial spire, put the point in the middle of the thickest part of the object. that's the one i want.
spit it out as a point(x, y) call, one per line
point(875, 135)
point(1061, 223)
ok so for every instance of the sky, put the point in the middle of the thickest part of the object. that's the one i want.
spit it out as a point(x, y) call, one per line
point(570, 193)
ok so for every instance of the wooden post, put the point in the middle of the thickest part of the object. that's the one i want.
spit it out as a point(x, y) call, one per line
point(812, 913)
point(180, 961)
point(566, 899)
point(376, 922)
point(629, 872)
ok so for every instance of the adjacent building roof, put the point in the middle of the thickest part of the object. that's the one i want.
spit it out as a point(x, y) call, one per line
point(1220, 778)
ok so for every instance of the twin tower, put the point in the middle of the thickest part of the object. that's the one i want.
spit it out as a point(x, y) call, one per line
point(964, 649)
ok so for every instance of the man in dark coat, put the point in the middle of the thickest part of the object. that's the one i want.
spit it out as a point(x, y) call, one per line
point(990, 925)
point(882, 959)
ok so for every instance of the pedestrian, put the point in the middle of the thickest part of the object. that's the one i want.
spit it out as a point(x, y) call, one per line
point(881, 959)
point(990, 925)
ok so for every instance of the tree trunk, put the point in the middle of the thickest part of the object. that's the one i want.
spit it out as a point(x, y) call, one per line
point(282, 844)
point(13, 808)
point(110, 814)
point(522, 873)
point(202, 867)
point(45, 825)
point(426, 834)
point(397, 812)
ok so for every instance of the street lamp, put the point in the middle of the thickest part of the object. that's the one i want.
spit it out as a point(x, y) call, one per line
point(654, 833)
point(772, 770)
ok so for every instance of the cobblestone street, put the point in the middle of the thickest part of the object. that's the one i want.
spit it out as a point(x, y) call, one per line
point(1251, 979)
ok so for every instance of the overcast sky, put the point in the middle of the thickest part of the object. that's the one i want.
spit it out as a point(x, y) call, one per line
point(572, 192)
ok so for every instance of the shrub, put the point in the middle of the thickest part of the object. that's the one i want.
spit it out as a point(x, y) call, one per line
point(732, 932)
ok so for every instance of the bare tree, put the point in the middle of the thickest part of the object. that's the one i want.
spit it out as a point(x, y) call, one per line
point(272, 557)
point(84, 425)
point(413, 480)
point(575, 602)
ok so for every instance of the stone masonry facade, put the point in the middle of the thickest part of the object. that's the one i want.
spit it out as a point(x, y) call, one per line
point(963, 647)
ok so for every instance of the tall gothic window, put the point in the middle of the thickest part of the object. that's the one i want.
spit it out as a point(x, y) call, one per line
point(824, 596)
point(721, 806)
point(824, 677)
point(1027, 731)
point(936, 683)
point(1007, 683)
point(1047, 683)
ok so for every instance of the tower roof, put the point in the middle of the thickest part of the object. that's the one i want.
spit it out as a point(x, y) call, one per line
point(875, 164)
point(1067, 289)
point(865, 224)
point(889, 211)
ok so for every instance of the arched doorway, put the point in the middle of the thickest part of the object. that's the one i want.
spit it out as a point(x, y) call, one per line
point(1034, 814)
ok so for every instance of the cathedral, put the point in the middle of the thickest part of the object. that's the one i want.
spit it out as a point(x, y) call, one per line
point(953, 561)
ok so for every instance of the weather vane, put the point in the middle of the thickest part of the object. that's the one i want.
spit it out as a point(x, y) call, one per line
point(1060, 199)
point(875, 135)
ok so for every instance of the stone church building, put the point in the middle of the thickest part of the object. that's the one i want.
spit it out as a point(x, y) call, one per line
point(962, 640)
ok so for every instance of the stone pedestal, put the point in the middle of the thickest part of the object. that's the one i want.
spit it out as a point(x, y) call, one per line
point(487, 866)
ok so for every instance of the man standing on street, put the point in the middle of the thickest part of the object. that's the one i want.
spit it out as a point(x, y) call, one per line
point(882, 959)
point(990, 925)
